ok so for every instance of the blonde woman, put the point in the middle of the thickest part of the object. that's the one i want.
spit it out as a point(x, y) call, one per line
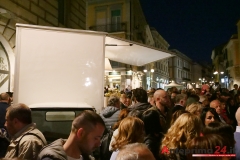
point(184, 129)
point(130, 130)
point(195, 108)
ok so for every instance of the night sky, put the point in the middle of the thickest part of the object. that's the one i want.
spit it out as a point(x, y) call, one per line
point(194, 27)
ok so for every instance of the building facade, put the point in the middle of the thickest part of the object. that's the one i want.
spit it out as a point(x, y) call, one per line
point(156, 73)
point(231, 62)
point(124, 19)
point(56, 13)
point(180, 69)
point(197, 77)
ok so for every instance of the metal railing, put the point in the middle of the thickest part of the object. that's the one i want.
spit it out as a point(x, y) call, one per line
point(119, 27)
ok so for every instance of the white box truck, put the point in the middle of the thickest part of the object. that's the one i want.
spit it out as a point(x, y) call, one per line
point(59, 72)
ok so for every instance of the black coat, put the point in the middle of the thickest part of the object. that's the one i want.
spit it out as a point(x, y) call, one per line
point(153, 143)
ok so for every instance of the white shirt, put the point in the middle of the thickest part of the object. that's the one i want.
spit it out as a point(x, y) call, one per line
point(70, 158)
point(237, 128)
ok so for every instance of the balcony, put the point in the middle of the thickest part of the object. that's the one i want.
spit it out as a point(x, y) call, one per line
point(186, 69)
point(119, 27)
point(186, 79)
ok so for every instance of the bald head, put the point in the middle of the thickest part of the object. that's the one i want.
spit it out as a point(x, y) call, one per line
point(237, 115)
point(4, 97)
point(161, 98)
point(216, 104)
point(159, 93)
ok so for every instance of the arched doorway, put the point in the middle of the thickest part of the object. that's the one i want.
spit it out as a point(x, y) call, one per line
point(7, 61)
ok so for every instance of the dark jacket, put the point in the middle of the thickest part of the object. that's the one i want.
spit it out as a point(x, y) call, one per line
point(110, 116)
point(140, 107)
point(153, 143)
point(177, 108)
point(53, 151)
point(3, 107)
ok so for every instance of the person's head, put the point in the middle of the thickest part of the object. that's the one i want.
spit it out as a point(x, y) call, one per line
point(194, 108)
point(173, 95)
point(181, 99)
point(169, 91)
point(161, 98)
point(191, 99)
point(174, 89)
point(198, 91)
point(135, 151)
point(223, 129)
point(123, 98)
point(130, 130)
point(140, 95)
point(151, 122)
point(209, 115)
point(186, 127)
point(87, 130)
point(224, 96)
point(177, 114)
point(114, 101)
point(235, 86)
point(237, 115)
point(207, 142)
point(128, 99)
point(4, 97)
point(17, 117)
point(123, 114)
point(151, 99)
point(216, 104)
point(183, 91)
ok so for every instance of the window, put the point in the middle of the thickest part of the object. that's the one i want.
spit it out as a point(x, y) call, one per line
point(60, 116)
point(115, 20)
point(61, 11)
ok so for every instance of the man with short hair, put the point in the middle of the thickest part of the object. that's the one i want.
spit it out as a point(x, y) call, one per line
point(27, 140)
point(135, 151)
point(87, 130)
point(110, 113)
point(180, 102)
point(140, 98)
point(162, 101)
point(4, 142)
point(216, 104)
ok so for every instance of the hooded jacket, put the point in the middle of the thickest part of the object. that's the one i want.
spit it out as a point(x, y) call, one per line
point(110, 116)
point(53, 151)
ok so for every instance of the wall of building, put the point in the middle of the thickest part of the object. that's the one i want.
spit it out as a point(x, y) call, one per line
point(232, 49)
point(180, 68)
point(196, 75)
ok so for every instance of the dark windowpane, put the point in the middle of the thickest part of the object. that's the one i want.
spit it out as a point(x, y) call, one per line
point(61, 11)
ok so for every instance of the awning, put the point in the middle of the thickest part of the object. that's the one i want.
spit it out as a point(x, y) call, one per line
point(133, 53)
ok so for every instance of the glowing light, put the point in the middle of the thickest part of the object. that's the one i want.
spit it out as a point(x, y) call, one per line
point(88, 82)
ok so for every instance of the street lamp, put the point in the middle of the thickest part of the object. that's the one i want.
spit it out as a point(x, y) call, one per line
point(219, 77)
point(150, 78)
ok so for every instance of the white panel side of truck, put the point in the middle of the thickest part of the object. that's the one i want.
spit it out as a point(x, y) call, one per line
point(57, 65)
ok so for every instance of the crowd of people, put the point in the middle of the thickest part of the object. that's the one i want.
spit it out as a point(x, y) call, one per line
point(139, 125)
